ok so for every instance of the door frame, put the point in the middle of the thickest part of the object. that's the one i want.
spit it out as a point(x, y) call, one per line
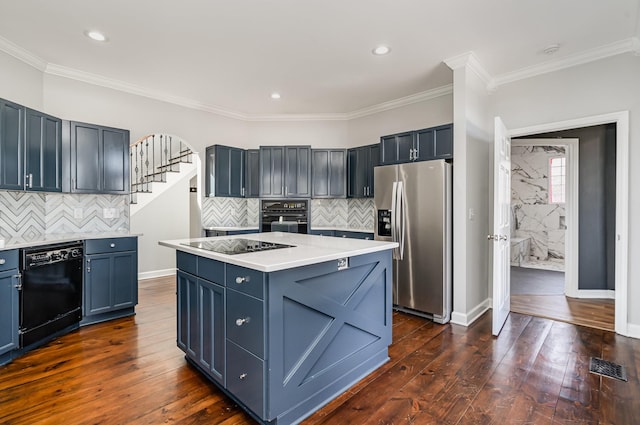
point(621, 120)
point(571, 206)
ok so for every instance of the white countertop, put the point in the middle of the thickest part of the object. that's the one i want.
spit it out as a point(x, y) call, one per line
point(307, 249)
point(231, 228)
point(15, 243)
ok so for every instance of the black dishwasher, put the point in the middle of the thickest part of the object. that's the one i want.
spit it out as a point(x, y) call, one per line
point(51, 290)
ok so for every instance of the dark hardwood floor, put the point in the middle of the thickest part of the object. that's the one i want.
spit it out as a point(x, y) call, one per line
point(129, 371)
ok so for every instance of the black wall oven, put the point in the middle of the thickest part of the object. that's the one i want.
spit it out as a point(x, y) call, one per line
point(51, 290)
point(285, 210)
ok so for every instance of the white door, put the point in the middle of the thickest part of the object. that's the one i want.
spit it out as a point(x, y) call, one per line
point(501, 226)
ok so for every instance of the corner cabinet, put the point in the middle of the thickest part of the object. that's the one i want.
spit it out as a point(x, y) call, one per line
point(420, 145)
point(99, 158)
point(30, 149)
point(329, 169)
point(9, 279)
point(361, 162)
point(285, 171)
point(110, 278)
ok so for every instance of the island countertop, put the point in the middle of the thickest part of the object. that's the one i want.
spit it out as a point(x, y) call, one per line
point(306, 250)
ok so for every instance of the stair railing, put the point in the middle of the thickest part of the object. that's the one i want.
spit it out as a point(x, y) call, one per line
point(152, 157)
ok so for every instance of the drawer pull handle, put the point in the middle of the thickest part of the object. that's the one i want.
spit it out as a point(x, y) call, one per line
point(243, 376)
point(112, 245)
point(242, 279)
point(2, 261)
point(240, 322)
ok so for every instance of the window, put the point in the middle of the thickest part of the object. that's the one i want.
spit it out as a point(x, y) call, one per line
point(557, 179)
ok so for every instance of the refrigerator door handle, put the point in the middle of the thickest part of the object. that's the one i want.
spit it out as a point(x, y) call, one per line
point(400, 219)
point(394, 229)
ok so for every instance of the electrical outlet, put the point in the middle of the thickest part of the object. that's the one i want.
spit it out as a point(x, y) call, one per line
point(78, 213)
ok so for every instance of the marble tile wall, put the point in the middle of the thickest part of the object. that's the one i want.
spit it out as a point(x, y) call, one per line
point(329, 212)
point(224, 212)
point(533, 217)
point(28, 215)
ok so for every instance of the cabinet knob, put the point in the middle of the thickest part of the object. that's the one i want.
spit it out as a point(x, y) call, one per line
point(242, 279)
point(2, 261)
point(243, 376)
point(112, 245)
point(242, 321)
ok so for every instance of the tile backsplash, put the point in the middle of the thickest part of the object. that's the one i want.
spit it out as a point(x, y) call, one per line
point(31, 215)
point(224, 212)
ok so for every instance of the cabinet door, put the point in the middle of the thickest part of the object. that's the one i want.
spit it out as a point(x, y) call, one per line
point(329, 173)
point(272, 171)
point(124, 279)
point(252, 177)
point(298, 171)
point(188, 317)
point(229, 171)
point(8, 310)
point(11, 145)
point(115, 162)
point(97, 287)
point(43, 152)
point(212, 327)
point(396, 148)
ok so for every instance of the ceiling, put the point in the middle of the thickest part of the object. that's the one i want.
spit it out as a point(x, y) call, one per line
point(229, 56)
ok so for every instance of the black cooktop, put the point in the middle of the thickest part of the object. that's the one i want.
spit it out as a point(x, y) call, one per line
point(235, 246)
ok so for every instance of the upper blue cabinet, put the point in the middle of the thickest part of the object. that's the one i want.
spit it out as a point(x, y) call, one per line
point(30, 149)
point(99, 158)
point(361, 161)
point(225, 171)
point(419, 145)
point(285, 171)
point(329, 173)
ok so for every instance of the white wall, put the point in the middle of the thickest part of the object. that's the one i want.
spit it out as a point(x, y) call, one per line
point(164, 218)
point(20, 83)
point(608, 85)
point(318, 134)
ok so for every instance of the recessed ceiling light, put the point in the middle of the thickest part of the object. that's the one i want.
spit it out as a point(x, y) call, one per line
point(381, 50)
point(275, 95)
point(96, 35)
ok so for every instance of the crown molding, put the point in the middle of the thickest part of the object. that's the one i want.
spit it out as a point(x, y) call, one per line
point(98, 80)
point(471, 62)
point(22, 54)
point(630, 45)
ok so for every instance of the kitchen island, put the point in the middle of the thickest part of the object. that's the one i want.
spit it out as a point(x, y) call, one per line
point(286, 329)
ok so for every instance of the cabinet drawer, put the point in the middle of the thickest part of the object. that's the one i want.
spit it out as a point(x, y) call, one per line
point(187, 262)
point(245, 280)
point(212, 270)
point(245, 378)
point(98, 246)
point(354, 235)
point(245, 323)
point(8, 260)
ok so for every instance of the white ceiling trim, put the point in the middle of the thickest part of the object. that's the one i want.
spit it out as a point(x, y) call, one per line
point(630, 45)
point(470, 60)
point(22, 54)
point(98, 80)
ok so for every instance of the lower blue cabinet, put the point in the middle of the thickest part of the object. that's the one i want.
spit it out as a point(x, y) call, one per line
point(8, 302)
point(110, 276)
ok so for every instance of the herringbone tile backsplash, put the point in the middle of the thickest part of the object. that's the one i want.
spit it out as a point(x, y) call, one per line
point(30, 215)
point(224, 212)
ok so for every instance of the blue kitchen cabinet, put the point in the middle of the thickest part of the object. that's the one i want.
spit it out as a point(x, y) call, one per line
point(252, 175)
point(201, 313)
point(100, 158)
point(285, 171)
point(419, 145)
point(353, 235)
point(360, 164)
point(225, 171)
point(110, 278)
point(11, 145)
point(9, 280)
point(329, 169)
point(43, 152)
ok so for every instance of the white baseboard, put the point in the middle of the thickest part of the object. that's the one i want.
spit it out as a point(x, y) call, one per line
point(156, 273)
point(466, 319)
point(633, 331)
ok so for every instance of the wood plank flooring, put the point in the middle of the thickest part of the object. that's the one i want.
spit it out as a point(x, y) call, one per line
point(594, 313)
point(129, 371)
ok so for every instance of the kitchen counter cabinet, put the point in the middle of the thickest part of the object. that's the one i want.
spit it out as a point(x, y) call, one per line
point(110, 279)
point(296, 337)
point(8, 303)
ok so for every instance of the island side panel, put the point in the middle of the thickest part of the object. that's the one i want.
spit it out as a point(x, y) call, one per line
point(327, 328)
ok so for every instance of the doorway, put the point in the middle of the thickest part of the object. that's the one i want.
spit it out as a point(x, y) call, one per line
point(555, 219)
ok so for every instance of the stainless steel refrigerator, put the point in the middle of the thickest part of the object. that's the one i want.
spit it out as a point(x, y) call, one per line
point(413, 208)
